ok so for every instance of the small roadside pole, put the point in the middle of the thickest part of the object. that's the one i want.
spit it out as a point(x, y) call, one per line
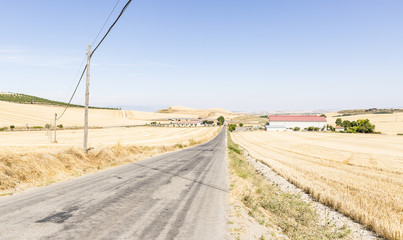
point(87, 96)
point(55, 128)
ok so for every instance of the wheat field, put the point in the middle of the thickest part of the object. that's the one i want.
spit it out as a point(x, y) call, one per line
point(359, 175)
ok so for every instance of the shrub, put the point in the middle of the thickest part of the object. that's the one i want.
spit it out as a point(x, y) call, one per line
point(241, 124)
point(3, 129)
point(37, 127)
point(232, 127)
point(60, 126)
point(47, 126)
point(330, 127)
point(12, 127)
point(361, 126)
point(296, 128)
point(207, 122)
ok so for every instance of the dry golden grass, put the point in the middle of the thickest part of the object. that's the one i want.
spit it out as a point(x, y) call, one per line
point(356, 174)
point(39, 115)
point(32, 166)
point(145, 136)
point(390, 124)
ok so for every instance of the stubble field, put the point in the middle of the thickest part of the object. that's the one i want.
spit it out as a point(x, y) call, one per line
point(36, 141)
point(356, 174)
point(28, 159)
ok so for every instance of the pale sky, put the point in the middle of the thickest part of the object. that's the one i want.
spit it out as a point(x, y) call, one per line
point(256, 55)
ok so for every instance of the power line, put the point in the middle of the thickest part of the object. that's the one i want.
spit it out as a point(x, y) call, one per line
point(75, 77)
point(110, 28)
point(110, 14)
point(106, 34)
point(75, 90)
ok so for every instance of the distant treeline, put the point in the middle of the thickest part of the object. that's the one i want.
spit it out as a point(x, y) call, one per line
point(28, 99)
point(344, 113)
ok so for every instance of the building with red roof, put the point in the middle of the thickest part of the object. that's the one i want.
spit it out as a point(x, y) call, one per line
point(282, 122)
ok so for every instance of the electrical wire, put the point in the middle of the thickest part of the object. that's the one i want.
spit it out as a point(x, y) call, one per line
point(110, 14)
point(106, 34)
point(110, 28)
point(75, 90)
point(75, 77)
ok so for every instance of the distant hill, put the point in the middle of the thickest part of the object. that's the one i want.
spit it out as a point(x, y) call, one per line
point(174, 109)
point(201, 113)
point(368, 111)
point(28, 99)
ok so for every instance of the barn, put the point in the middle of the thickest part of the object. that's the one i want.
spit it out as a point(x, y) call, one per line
point(301, 121)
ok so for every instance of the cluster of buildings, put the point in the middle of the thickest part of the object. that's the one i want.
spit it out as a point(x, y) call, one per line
point(192, 122)
point(288, 122)
point(276, 122)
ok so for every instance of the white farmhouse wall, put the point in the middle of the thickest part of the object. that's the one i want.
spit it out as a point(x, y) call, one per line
point(301, 125)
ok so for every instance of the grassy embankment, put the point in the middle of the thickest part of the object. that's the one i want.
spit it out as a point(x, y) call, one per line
point(273, 208)
point(19, 171)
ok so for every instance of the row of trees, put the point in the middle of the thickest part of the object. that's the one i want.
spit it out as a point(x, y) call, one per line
point(47, 126)
point(359, 126)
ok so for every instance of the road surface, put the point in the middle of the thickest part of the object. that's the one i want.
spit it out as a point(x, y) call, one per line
point(179, 195)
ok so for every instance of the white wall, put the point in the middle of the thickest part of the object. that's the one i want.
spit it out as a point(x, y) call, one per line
point(301, 125)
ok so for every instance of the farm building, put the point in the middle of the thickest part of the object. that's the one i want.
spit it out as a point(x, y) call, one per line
point(339, 129)
point(275, 128)
point(292, 121)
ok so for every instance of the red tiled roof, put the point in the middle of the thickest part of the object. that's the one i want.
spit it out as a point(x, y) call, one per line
point(296, 118)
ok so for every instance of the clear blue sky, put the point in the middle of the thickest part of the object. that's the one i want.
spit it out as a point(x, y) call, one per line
point(239, 55)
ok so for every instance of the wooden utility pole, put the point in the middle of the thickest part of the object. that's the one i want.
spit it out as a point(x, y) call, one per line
point(55, 128)
point(87, 96)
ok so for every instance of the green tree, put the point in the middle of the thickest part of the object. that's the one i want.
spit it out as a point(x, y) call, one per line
point(232, 127)
point(297, 128)
point(12, 127)
point(362, 126)
point(241, 124)
point(346, 124)
point(220, 120)
point(339, 122)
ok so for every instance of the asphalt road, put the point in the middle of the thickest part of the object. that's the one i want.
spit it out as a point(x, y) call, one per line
point(179, 195)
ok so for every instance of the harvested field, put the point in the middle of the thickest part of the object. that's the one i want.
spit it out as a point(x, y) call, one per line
point(27, 159)
point(144, 136)
point(390, 124)
point(38, 115)
point(356, 174)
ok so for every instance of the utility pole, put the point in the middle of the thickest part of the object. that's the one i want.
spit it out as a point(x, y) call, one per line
point(55, 128)
point(87, 96)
